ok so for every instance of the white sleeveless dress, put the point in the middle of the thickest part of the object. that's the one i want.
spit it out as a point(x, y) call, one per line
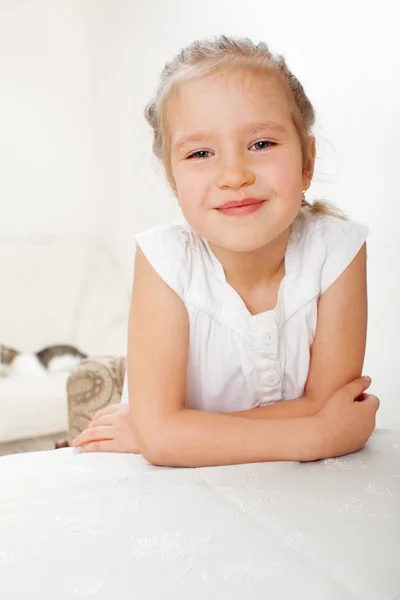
point(239, 361)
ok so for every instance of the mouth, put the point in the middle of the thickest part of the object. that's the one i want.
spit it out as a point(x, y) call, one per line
point(241, 207)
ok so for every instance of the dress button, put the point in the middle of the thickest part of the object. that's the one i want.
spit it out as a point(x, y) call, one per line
point(271, 378)
point(269, 337)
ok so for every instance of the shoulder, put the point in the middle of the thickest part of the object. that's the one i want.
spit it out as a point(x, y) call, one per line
point(328, 244)
point(172, 236)
point(170, 248)
point(328, 230)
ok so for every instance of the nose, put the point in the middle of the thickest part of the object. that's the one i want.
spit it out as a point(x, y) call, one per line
point(234, 175)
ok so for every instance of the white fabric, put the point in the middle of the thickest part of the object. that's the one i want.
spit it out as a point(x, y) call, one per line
point(33, 406)
point(111, 526)
point(239, 361)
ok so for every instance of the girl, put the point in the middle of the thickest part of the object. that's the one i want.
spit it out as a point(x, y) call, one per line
point(248, 319)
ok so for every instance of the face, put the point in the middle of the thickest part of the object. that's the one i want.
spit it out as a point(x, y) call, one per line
point(233, 141)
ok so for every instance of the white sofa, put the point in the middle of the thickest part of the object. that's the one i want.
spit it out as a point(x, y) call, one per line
point(55, 289)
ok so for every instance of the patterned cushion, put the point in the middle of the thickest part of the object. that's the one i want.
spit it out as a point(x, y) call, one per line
point(95, 383)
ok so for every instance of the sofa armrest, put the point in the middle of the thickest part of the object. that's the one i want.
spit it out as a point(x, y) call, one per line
point(95, 383)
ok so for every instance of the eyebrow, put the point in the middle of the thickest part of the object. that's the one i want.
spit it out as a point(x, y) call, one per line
point(250, 128)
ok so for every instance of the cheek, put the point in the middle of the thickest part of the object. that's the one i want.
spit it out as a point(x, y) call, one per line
point(193, 187)
point(193, 200)
point(191, 207)
point(286, 177)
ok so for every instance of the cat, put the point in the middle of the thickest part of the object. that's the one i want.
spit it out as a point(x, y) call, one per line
point(48, 357)
point(52, 359)
point(7, 356)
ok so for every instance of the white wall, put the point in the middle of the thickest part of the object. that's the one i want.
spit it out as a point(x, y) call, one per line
point(48, 168)
point(75, 151)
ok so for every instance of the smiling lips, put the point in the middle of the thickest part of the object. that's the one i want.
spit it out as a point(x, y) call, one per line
point(241, 207)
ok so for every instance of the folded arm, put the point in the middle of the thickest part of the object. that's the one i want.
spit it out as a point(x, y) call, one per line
point(171, 435)
point(338, 350)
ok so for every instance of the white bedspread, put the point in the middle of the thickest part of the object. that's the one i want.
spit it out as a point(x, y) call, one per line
point(113, 527)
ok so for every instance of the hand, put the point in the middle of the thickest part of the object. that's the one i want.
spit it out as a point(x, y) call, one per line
point(110, 430)
point(347, 419)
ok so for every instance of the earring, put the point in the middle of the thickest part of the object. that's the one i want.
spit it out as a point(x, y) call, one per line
point(303, 199)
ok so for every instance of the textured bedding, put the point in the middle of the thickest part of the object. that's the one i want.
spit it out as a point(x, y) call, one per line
point(112, 526)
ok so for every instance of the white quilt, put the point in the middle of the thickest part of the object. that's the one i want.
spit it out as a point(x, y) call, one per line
point(113, 527)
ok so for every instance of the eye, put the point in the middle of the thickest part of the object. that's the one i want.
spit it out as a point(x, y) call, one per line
point(199, 154)
point(263, 145)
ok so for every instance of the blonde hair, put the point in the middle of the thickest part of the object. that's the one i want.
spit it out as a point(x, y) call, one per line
point(202, 57)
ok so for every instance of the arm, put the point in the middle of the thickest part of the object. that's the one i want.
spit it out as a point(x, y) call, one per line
point(338, 350)
point(296, 407)
point(337, 353)
point(169, 434)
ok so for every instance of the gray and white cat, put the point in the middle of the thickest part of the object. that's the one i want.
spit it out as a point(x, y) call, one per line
point(53, 359)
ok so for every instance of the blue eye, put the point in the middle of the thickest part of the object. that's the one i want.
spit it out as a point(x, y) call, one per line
point(263, 145)
point(199, 154)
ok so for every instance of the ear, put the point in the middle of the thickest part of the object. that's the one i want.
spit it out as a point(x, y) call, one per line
point(308, 170)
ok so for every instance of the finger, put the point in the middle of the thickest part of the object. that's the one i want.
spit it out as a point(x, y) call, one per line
point(104, 420)
point(372, 402)
point(93, 434)
point(99, 446)
point(357, 387)
point(107, 410)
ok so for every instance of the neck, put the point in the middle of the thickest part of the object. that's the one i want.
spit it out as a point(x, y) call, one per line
point(246, 270)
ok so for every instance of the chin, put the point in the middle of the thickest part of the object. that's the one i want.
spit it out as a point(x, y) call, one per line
point(242, 243)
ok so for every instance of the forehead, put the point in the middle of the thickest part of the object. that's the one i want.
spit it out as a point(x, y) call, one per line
point(227, 98)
